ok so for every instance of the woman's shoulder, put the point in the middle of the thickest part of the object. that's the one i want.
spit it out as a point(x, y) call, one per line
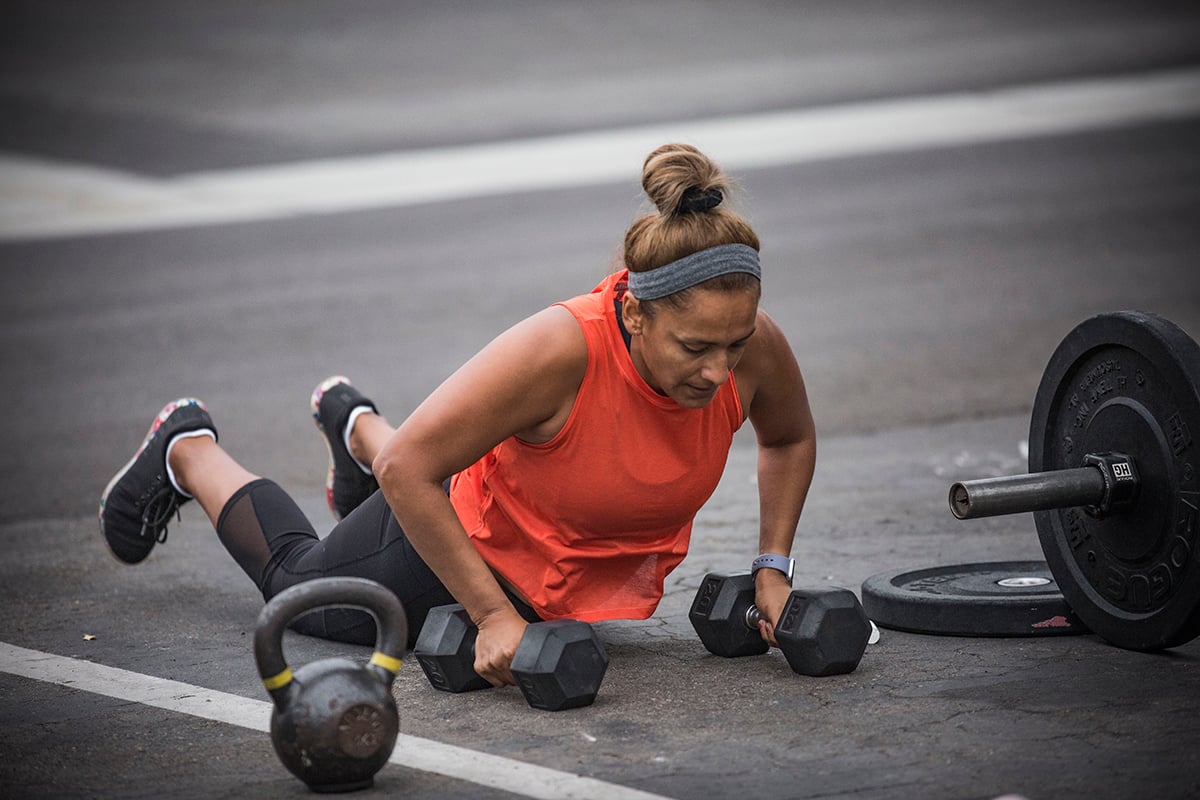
point(553, 334)
point(769, 342)
point(768, 358)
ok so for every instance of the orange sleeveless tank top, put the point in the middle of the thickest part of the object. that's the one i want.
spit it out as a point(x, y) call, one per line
point(589, 524)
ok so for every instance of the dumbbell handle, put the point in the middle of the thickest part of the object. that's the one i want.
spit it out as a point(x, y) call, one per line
point(1039, 491)
point(753, 617)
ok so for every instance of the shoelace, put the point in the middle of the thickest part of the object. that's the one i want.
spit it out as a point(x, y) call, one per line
point(158, 510)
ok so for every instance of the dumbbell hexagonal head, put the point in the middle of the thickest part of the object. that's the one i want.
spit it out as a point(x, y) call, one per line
point(823, 631)
point(445, 649)
point(718, 615)
point(560, 664)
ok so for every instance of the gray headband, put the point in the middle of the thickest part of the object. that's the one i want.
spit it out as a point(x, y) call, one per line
point(696, 268)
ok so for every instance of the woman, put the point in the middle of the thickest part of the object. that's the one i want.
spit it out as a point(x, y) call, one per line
point(556, 474)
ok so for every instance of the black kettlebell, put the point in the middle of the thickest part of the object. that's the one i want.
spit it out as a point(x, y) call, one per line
point(335, 722)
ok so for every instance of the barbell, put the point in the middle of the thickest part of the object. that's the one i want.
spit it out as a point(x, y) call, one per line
point(1112, 478)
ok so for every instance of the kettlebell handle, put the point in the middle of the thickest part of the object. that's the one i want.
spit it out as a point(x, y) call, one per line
point(390, 622)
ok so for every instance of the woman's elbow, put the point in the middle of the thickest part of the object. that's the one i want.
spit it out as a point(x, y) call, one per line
point(404, 466)
point(389, 463)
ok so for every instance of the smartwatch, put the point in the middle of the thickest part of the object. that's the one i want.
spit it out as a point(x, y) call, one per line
point(772, 561)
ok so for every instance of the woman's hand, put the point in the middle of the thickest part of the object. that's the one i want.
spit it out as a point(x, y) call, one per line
point(771, 592)
point(499, 636)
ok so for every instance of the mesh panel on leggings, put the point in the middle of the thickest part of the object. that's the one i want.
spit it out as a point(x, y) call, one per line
point(239, 531)
point(251, 543)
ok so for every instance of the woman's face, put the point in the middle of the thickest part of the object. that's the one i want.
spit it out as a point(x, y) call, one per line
point(687, 354)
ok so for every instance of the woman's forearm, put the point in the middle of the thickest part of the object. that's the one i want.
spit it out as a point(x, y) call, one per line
point(432, 525)
point(784, 476)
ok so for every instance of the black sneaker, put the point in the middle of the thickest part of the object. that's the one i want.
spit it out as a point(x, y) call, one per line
point(347, 484)
point(139, 500)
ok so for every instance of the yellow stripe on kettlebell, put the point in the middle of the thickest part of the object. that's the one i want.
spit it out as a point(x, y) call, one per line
point(392, 665)
point(278, 681)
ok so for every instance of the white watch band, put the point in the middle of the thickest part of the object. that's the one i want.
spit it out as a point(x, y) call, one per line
point(784, 564)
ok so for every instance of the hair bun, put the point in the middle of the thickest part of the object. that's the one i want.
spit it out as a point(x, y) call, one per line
point(695, 200)
point(691, 198)
point(680, 179)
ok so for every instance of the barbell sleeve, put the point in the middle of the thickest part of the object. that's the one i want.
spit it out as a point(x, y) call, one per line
point(1038, 491)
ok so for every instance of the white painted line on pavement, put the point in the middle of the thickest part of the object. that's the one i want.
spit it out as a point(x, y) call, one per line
point(518, 777)
point(40, 199)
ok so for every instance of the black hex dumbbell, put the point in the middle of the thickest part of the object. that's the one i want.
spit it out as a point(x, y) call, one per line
point(822, 631)
point(558, 665)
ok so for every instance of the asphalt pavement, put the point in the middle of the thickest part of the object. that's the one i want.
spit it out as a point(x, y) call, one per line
point(923, 287)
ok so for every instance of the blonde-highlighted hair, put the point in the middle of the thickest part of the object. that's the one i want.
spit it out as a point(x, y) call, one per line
point(688, 191)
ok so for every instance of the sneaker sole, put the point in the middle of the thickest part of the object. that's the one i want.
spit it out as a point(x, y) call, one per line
point(314, 404)
point(167, 411)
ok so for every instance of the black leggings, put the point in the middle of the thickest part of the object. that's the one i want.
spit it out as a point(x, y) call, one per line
point(275, 544)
